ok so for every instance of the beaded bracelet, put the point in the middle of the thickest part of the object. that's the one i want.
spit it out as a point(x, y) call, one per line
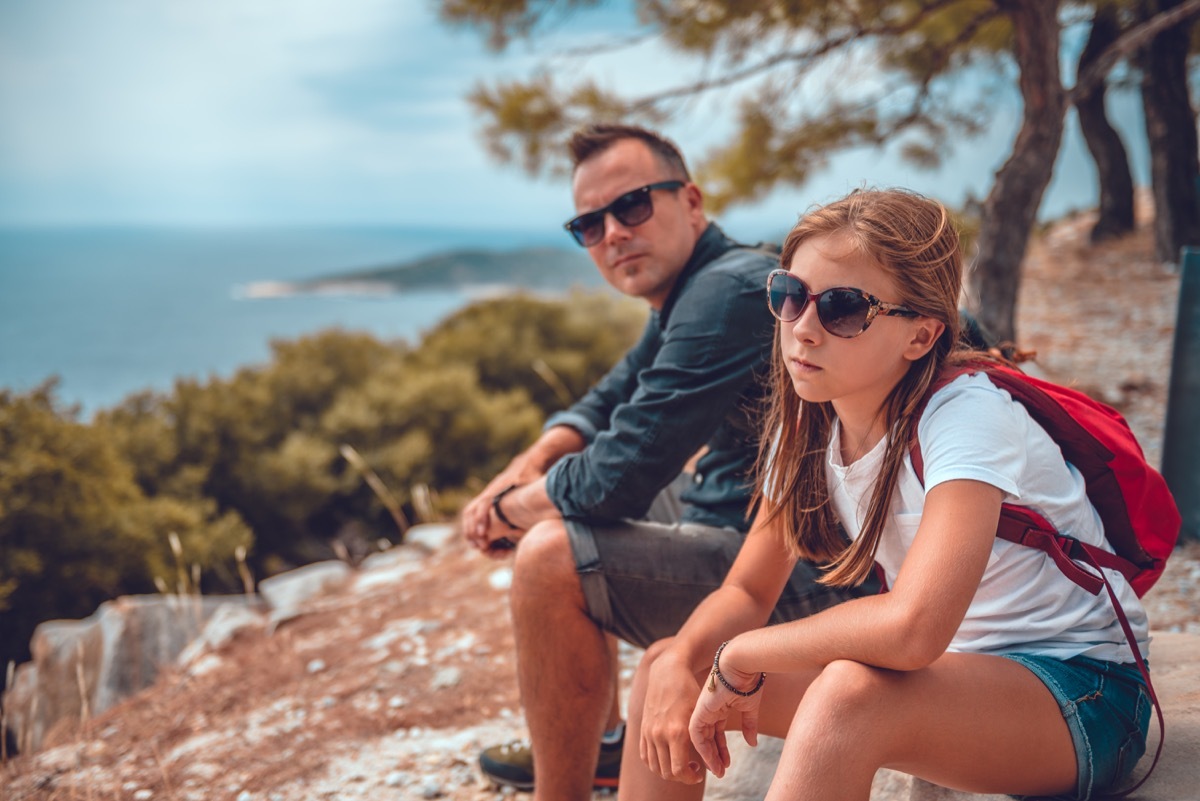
point(503, 518)
point(716, 676)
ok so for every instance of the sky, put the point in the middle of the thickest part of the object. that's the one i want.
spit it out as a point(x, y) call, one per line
point(348, 112)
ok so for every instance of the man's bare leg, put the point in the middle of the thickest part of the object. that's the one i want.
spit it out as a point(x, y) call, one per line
point(564, 666)
point(614, 712)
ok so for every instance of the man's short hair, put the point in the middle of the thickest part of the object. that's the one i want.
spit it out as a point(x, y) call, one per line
point(593, 140)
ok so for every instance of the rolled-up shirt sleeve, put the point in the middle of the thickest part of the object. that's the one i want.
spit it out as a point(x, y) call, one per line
point(670, 404)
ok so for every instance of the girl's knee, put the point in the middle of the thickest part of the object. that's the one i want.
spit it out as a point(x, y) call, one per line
point(650, 656)
point(655, 650)
point(846, 689)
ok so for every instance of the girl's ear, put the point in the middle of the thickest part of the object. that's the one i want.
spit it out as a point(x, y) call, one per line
point(925, 333)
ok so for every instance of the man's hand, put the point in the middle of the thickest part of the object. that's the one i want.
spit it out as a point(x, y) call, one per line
point(479, 523)
point(665, 746)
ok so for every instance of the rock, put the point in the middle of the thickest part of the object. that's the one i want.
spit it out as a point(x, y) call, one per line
point(83, 667)
point(432, 536)
point(500, 578)
point(222, 627)
point(287, 592)
point(390, 566)
point(445, 678)
point(750, 770)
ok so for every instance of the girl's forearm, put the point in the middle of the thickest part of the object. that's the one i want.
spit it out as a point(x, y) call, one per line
point(726, 613)
point(873, 630)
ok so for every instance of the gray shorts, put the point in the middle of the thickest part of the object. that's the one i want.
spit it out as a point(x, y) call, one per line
point(641, 579)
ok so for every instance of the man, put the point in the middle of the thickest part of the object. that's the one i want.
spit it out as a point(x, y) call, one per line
point(611, 535)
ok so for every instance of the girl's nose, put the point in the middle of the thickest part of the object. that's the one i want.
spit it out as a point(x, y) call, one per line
point(807, 327)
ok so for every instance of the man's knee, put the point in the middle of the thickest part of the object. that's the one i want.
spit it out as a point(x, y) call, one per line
point(544, 560)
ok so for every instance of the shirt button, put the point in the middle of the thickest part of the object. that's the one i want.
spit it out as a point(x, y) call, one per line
point(699, 479)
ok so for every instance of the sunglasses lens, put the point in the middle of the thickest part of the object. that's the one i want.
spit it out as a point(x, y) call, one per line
point(842, 312)
point(588, 229)
point(633, 208)
point(786, 296)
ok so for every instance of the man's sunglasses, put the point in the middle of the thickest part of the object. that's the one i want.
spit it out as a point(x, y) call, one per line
point(843, 311)
point(630, 209)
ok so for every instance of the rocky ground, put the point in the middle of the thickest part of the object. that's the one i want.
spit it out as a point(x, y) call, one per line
point(389, 690)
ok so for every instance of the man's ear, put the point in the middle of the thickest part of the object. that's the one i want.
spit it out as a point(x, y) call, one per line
point(693, 199)
point(925, 333)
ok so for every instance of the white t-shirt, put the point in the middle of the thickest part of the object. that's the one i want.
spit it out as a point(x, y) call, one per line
point(973, 430)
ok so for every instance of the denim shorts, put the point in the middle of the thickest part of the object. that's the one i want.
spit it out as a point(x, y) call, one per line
point(1107, 710)
point(641, 579)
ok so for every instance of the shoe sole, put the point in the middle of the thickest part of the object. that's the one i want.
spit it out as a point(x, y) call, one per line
point(526, 787)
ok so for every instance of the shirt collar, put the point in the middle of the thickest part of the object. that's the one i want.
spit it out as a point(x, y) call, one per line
point(711, 245)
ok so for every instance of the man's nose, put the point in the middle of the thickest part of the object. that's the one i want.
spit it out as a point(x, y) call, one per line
point(614, 229)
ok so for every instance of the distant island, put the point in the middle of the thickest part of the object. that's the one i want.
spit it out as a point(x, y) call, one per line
point(543, 269)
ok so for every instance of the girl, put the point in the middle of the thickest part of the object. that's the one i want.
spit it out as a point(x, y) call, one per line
point(983, 668)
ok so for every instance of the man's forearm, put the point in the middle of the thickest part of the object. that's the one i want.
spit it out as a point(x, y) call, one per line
point(528, 505)
point(552, 445)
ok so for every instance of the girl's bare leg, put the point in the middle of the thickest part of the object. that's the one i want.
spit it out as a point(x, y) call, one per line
point(972, 722)
point(781, 696)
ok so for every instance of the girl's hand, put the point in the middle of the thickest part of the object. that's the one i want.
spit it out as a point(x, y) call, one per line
point(709, 719)
point(664, 745)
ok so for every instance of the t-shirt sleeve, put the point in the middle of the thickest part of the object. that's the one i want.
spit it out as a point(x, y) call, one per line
point(973, 430)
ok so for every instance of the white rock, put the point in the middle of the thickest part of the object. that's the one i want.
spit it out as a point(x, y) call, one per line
point(205, 664)
point(500, 578)
point(143, 795)
point(445, 678)
point(223, 626)
point(433, 536)
point(316, 666)
point(287, 592)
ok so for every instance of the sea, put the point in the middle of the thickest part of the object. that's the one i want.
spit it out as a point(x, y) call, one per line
point(112, 311)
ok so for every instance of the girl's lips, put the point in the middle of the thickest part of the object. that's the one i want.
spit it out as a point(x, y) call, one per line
point(804, 366)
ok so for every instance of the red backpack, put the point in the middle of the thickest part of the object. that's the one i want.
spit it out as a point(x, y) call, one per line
point(1141, 520)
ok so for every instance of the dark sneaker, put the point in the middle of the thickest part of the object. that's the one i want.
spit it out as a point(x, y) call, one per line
point(511, 764)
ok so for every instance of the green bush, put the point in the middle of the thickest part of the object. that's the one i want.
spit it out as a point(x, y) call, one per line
point(254, 461)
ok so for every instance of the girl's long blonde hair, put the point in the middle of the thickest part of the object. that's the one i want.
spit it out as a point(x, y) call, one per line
point(915, 241)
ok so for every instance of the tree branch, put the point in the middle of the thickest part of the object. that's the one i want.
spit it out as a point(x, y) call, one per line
point(801, 57)
point(1128, 42)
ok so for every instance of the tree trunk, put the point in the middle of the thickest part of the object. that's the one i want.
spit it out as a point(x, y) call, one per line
point(1103, 142)
point(1171, 131)
point(1011, 207)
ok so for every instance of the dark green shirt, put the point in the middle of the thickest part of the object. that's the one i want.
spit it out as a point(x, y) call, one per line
point(693, 379)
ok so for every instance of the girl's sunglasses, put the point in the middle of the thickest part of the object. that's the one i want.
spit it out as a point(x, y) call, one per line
point(630, 209)
point(843, 311)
